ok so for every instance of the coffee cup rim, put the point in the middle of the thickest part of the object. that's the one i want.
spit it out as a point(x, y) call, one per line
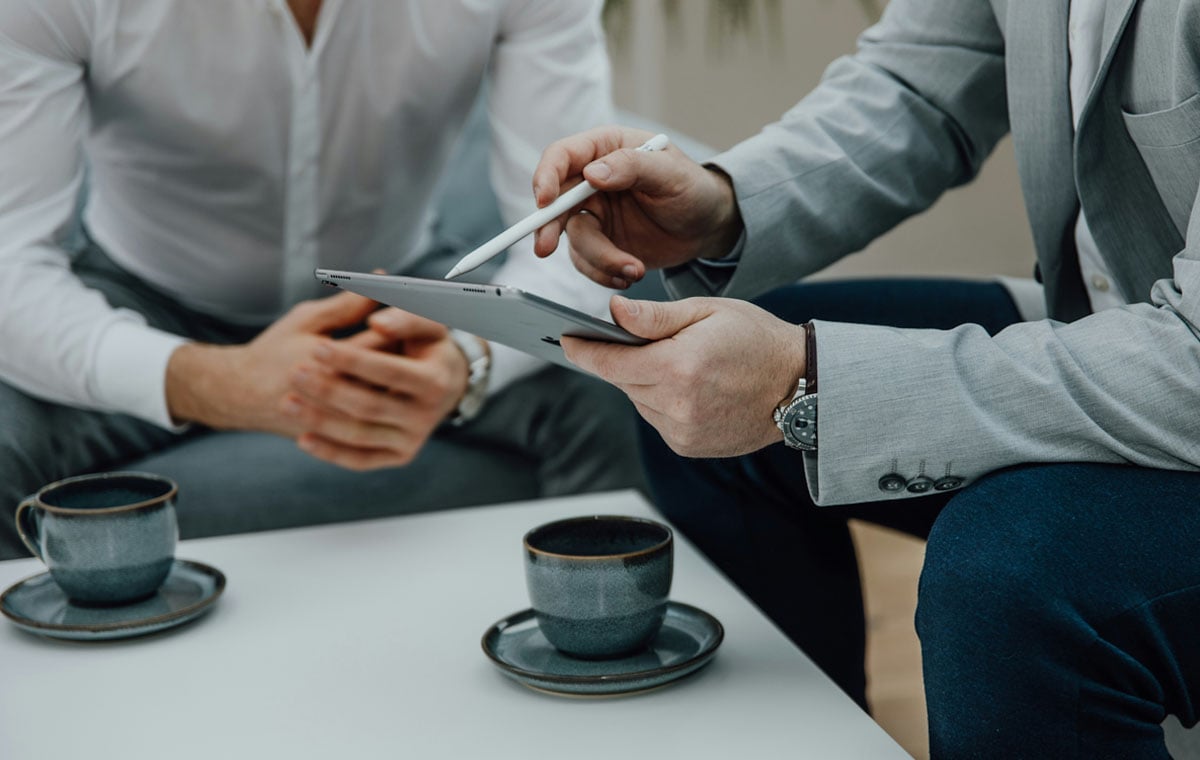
point(170, 494)
point(595, 518)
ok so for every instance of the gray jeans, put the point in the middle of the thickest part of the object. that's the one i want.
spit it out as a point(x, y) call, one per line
point(557, 432)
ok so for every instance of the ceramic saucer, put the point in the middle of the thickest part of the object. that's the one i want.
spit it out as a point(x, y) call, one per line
point(688, 640)
point(39, 606)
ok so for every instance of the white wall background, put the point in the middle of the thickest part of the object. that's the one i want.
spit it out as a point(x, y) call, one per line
point(721, 87)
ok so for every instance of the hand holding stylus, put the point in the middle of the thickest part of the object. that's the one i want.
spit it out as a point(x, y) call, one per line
point(542, 216)
point(654, 210)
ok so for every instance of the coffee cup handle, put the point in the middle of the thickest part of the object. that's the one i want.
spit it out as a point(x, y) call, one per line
point(27, 527)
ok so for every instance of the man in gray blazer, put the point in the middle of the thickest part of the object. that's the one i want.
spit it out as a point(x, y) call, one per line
point(1052, 464)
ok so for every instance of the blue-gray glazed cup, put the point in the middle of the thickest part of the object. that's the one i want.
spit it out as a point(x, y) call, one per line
point(599, 585)
point(107, 538)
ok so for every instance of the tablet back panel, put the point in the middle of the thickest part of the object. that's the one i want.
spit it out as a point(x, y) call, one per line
point(493, 312)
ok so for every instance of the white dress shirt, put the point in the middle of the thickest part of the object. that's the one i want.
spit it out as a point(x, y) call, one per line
point(1085, 41)
point(228, 159)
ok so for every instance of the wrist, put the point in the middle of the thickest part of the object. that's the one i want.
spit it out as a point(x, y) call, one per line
point(727, 217)
point(796, 415)
point(193, 374)
point(477, 355)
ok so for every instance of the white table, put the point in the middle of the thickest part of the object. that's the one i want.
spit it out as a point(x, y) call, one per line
point(361, 640)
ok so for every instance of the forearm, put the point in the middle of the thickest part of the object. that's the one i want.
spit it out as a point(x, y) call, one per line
point(914, 112)
point(64, 343)
point(1114, 387)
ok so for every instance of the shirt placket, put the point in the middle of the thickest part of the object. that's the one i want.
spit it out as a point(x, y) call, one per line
point(301, 206)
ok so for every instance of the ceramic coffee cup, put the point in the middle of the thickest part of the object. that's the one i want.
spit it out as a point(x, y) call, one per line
point(107, 538)
point(599, 585)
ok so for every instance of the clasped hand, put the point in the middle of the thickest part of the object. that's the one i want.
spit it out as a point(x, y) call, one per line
point(363, 402)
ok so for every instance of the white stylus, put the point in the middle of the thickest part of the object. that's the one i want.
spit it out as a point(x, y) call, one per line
point(529, 224)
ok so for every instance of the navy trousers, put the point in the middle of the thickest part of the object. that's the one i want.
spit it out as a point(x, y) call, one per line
point(1059, 604)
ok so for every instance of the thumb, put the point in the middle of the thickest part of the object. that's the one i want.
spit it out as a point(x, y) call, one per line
point(345, 309)
point(654, 172)
point(404, 325)
point(655, 320)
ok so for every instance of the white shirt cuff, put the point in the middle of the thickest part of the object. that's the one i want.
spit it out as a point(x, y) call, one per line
point(130, 369)
point(510, 365)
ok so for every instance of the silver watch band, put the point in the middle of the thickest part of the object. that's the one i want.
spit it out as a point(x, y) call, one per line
point(479, 367)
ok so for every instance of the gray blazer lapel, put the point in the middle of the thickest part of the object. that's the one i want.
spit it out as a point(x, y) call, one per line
point(1132, 227)
point(1037, 66)
point(1116, 19)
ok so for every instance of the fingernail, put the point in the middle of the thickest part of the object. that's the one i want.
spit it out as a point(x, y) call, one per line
point(306, 444)
point(630, 306)
point(630, 272)
point(618, 283)
point(301, 376)
point(291, 407)
point(598, 170)
point(323, 352)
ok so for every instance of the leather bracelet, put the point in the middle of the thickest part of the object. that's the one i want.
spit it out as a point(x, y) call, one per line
point(810, 361)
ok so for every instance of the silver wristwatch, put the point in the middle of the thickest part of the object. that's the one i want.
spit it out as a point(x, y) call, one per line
point(797, 418)
point(479, 364)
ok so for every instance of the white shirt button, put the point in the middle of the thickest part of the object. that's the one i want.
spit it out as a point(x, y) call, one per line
point(1100, 282)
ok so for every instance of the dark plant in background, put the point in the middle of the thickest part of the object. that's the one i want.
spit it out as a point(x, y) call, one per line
point(726, 17)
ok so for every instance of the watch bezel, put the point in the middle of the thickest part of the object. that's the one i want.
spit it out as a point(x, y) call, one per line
point(802, 408)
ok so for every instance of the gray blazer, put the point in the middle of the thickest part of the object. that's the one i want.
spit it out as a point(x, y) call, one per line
point(914, 112)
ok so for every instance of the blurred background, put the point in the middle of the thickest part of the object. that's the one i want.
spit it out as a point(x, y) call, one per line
point(718, 70)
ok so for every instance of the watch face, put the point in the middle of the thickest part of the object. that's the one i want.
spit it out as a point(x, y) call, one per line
point(799, 423)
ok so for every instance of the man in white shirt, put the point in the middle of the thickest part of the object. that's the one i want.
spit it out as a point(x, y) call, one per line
point(229, 148)
point(1053, 464)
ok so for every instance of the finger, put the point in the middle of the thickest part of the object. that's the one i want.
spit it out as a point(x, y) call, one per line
point(339, 394)
point(567, 157)
point(404, 325)
point(345, 309)
point(656, 320)
point(352, 458)
point(339, 428)
point(395, 372)
point(612, 362)
point(589, 243)
point(658, 173)
point(584, 267)
point(371, 340)
point(546, 238)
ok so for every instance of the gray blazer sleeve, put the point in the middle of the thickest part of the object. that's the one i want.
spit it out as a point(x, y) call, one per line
point(914, 112)
point(1119, 386)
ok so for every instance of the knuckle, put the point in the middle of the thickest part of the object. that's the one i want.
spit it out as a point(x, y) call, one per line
point(661, 319)
point(372, 407)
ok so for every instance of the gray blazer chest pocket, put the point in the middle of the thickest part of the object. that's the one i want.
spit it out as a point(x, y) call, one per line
point(1169, 142)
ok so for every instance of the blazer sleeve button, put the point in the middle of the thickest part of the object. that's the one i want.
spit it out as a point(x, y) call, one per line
point(948, 483)
point(920, 484)
point(892, 483)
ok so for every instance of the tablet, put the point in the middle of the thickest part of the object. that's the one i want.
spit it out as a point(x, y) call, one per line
point(497, 313)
